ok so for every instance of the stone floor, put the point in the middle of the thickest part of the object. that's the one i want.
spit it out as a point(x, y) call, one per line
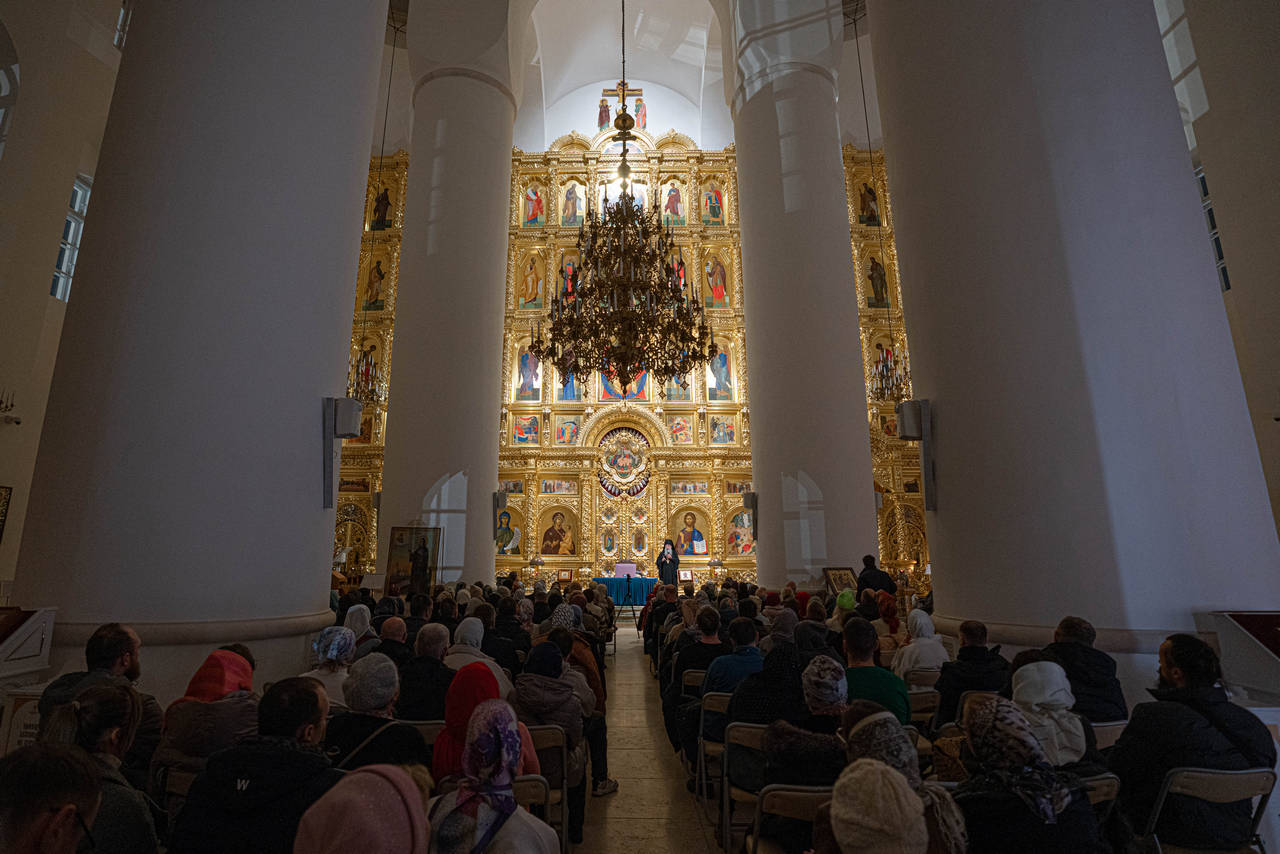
point(651, 812)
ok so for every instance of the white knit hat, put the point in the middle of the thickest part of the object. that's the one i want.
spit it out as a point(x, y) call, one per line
point(874, 811)
point(372, 683)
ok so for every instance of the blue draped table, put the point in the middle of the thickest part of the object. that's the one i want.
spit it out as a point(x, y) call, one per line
point(617, 587)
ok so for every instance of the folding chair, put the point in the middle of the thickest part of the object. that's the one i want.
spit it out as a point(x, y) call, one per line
point(1103, 790)
point(923, 705)
point(692, 679)
point(714, 702)
point(750, 736)
point(796, 802)
point(1108, 732)
point(1216, 787)
point(532, 790)
point(173, 786)
point(920, 677)
point(550, 738)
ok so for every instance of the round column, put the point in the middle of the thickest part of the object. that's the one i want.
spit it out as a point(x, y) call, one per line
point(179, 480)
point(811, 456)
point(1094, 452)
point(441, 464)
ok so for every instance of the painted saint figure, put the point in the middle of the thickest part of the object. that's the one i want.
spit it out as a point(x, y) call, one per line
point(567, 433)
point(689, 541)
point(868, 206)
point(717, 281)
point(558, 539)
point(722, 389)
point(506, 538)
point(602, 115)
point(673, 210)
point(713, 206)
point(739, 541)
point(569, 389)
point(531, 287)
point(879, 285)
point(642, 114)
point(528, 389)
point(375, 300)
point(381, 211)
point(569, 214)
point(534, 212)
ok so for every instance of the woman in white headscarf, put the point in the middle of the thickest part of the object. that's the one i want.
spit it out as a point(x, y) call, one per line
point(467, 638)
point(358, 620)
point(924, 651)
point(1043, 695)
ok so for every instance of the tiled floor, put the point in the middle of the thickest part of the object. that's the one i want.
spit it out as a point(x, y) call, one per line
point(651, 812)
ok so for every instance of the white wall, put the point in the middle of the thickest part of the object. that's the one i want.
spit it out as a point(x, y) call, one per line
point(400, 124)
point(853, 122)
point(667, 109)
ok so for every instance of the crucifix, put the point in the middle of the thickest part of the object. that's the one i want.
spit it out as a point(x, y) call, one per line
point(622, 92)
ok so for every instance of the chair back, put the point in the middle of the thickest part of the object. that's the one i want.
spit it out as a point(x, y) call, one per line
point(745, 735)
point(969, 697)
point(799, 803)
point(715, 701)
point(430, 730)
point(692, 679)
point(1108, 732)
point(920, 677)
point(551, 739)
point(924, 704)
point(1103, 790)
point(1217, 787)
point(531, 789)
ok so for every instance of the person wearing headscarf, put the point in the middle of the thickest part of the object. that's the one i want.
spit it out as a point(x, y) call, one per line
point(775, 693)
point(463, 598)
point(888, 626)
point(873, 732)
point(543, 697)
point(924, 651)
point(360, 623)
point(218, 709)
point(1042, 692)
point(467, 640)
point(1016, 801)
point(873, 810)
point(525, 609)
point(335, 649)
point(772, 605)
point(781, 631)
point(481, 815)
point(375, 808)
point(814, 639)
point(668, 564)
point(473, 685)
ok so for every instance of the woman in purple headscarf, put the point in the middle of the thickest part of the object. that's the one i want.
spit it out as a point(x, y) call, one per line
point(481, 815)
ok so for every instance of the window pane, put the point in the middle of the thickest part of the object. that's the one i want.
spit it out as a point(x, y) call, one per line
point(1213, 223)
point(1222, 276)
point(1217, 248)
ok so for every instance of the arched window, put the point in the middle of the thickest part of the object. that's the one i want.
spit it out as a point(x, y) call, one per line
point(8, 83)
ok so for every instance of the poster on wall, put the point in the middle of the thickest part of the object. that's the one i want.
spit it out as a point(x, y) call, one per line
point(414, 556)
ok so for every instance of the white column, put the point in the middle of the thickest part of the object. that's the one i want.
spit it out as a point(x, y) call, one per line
point(810, 449)
point(178, 484)
point(441, 464)
point(1094, 453)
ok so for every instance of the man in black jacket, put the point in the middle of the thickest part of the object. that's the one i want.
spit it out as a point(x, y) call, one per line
point(1190, 724)
point(874, 578)
point(419, 616)
point(976, 668)
point(1091, 672)
point(250, 797)
point(424, 679)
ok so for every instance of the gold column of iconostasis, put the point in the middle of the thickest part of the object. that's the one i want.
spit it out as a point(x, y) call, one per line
point(895, 462)
point(602, 470)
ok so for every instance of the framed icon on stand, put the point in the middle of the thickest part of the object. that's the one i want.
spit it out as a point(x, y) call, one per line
point(564, 576)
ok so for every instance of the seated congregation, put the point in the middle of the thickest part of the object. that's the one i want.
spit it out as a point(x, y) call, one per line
point(465, 721)
point(843, 734)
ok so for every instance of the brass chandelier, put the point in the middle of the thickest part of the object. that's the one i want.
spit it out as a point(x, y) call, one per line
point(624, 311)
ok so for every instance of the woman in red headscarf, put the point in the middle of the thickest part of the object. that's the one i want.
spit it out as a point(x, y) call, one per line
point(217, 710)
point(889, 627)
point(471, 686)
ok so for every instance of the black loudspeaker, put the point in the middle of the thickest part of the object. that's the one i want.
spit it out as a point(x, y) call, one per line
point(750, 500)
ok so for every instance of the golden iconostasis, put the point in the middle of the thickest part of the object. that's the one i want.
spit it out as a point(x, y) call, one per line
point(597, 471)
point(600, 470)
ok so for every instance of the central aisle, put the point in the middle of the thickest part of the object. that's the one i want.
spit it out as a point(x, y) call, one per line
point(652, 811)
